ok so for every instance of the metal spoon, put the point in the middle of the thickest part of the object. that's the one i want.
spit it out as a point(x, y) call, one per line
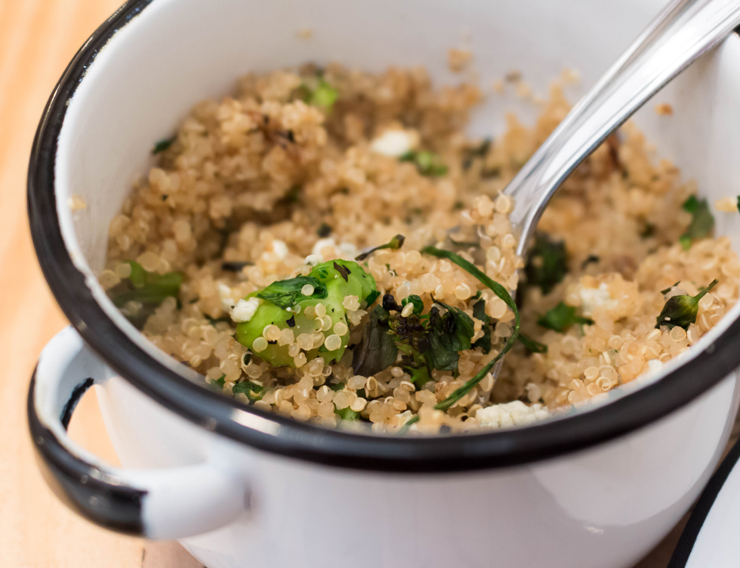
point(680, 34)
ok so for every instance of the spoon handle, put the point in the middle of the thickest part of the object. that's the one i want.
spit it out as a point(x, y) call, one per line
point(681, 33)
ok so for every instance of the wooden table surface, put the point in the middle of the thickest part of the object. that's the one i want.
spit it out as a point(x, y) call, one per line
point(37, 39)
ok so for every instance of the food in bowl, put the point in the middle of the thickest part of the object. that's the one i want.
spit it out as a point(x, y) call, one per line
point(329, 244)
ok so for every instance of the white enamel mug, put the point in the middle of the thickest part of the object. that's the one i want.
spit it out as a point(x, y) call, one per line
point(243, 488)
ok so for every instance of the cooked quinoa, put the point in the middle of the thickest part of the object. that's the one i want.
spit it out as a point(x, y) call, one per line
point(301, 170)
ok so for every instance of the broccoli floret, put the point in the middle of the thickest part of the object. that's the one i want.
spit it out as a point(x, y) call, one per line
point(292, 304)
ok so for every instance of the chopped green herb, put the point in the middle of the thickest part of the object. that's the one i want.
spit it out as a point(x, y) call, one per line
point(458, 205)
point(479, 313)
point(377, 349)
point(394, 244)
point(324, 230)
point(427, 163)
point(253, 391)
point(532, 345)
point(287, 293)
point(214, 321)
point(664, 292)
point(547, 264)
point(293, 195)
point(702, 221)
point(235, 265)
point(590, 259)
point(479, 151)
point(324, 95)
point(738, 203)
point(648, 230)
point(419, 376)
point(502, 293)
point(448, 335)
point(163, 145)
point(561, 317)
point(221, 381)
point(416, 301)
point(681, 311)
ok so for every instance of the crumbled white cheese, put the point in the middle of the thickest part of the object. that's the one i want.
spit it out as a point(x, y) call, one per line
point(279, 248)
point(344, 249)
point(245, 309)
point(224, 293)
point(591, 298)
point(395, 143)
point(348, 249)
point(314, 259)
point(321, 244)
point(514, 413)
point(654, 365)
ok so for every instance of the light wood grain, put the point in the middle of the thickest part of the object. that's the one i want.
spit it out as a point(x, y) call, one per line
point(37, 39)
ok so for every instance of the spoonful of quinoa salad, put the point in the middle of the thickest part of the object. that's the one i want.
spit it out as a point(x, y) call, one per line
point(239, 254)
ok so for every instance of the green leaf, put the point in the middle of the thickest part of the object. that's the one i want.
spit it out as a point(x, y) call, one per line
point(738, 203)
point(286, 293)
point(561, 317)
point(681, 311)
point(427, 163)
point(702, 221)
point(221, 381)
point(416, 301)
point(448, 335)
point(377, 349)
point(394, 244)
point(547, 263)
point(532, 345)
point(479, 312)
point(163, 145)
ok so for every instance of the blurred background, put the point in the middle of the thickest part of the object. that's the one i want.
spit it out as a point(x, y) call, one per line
point(37, 40)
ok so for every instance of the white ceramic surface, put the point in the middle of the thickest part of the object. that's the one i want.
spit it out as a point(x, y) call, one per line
point(604, 507)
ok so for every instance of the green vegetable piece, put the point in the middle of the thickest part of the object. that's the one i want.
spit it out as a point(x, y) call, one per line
point(394, 244)
point(287, 293)
point(284, 304)
point(324, 96)
point(448, 335)
point(163, 145)
point(702, 221)
point(427, 163)
point(681, 311)
point(532, 345)
point(561, 317)
point(221, 381)
point(479, 312)
point(347, 414)
point(738, 203)
point(377, 349)
point(416, 301)
point(547, 264)
point(148, 288)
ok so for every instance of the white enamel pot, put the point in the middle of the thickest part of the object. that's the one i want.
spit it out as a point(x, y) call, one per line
point(242, 488)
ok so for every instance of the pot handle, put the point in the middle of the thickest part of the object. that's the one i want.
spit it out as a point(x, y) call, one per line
point(166, 503)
